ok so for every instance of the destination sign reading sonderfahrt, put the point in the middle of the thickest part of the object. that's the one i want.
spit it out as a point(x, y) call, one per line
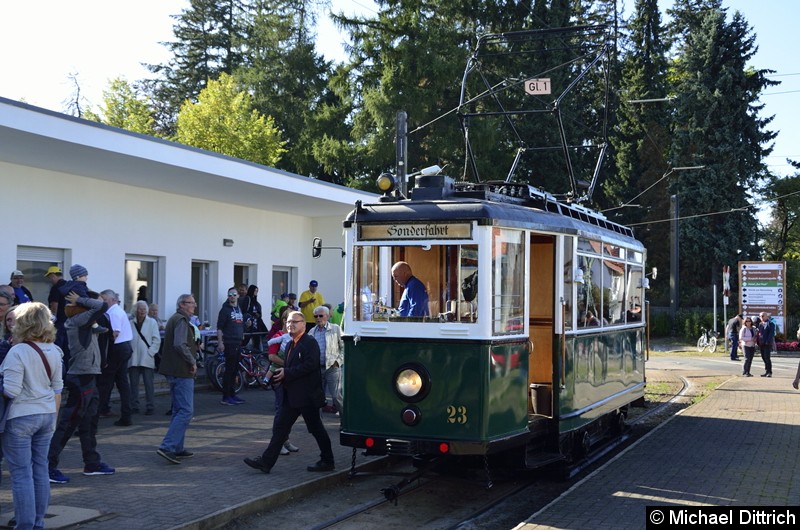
point(398, 231)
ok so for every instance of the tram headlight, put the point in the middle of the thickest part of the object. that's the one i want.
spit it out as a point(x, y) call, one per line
point(408, 383)
point(411, 382)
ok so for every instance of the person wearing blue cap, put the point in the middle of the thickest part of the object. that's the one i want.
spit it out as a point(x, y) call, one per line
point(308, 301)
point(79, 275)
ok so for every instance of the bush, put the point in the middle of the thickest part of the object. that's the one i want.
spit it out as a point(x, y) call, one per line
point(787, 346)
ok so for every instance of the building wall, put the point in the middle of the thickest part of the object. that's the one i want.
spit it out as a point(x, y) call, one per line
point(99, 223)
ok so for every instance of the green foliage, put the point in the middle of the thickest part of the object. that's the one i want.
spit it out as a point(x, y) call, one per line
point(224, 120)
point(660, 325)
point(124, 108)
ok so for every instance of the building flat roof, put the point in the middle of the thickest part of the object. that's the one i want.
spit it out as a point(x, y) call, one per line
point(36, 137)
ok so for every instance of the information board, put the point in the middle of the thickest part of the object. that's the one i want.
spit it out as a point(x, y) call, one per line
point(762, 288)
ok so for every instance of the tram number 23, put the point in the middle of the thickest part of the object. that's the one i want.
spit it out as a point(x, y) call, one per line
point(456, 414)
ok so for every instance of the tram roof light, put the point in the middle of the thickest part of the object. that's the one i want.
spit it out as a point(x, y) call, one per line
point(386, 183)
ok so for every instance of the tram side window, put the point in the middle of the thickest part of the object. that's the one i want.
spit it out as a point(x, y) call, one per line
point(570, 273)
point(635, 294)
point(366, 274)
point(590, 294)
point(508, 281)
point(613, 291)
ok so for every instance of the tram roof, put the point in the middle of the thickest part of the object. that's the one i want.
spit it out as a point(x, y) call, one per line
point(568, 220)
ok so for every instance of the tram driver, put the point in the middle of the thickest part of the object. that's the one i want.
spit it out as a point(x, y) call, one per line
point(414, 302)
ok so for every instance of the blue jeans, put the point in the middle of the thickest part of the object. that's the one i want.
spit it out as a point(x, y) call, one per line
point(734, 346)
point(330, 385)
point(25, 443)
point(182, 390)
point(149, 390)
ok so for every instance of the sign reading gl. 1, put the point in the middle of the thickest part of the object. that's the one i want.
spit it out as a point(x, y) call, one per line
point(537, 87)
point(762, 286)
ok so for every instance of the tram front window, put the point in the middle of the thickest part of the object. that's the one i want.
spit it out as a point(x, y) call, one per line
point(391, 283)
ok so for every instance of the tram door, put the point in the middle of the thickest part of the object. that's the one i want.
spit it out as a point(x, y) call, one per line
point(540, 325)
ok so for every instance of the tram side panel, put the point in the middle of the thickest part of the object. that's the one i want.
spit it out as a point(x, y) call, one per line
point(604, 372)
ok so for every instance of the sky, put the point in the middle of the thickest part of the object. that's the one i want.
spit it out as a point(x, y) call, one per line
point(43, 43)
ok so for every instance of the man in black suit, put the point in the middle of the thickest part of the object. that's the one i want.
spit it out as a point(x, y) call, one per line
point(303, 396)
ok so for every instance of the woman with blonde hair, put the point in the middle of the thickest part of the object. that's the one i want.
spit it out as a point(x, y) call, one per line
point(32, 380)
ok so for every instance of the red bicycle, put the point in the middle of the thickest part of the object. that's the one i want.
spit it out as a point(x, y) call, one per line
point(253, 371)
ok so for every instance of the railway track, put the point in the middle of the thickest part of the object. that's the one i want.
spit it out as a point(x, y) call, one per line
point(401, 497)
point(419, 488)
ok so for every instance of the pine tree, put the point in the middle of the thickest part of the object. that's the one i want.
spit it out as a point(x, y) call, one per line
point(641, 138)
point(717, 125)
point(209, 37)
point(288, 78)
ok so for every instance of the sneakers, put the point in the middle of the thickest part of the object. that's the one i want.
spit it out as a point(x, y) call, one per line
point(97, 469)
point(289, 446)
point(237, 400)
point(228, 401)
point(284, 451)
point(184, 454)
point(168, 456)
point(57, 477)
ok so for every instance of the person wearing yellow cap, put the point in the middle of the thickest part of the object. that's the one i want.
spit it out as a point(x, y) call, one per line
point(57, 303)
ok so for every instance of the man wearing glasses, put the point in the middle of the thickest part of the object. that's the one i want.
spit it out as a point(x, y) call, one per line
point(303, 396)
point(178, 364)
point(331, 348)
point(230, 332)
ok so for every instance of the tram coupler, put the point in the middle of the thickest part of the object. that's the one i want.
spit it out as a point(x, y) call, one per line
point(395, 490)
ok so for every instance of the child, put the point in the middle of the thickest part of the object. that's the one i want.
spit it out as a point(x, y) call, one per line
point(79, 275)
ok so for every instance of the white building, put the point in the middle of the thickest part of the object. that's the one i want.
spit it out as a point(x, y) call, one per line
point(139, 211)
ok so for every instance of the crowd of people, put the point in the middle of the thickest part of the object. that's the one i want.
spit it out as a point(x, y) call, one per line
point(88, 345)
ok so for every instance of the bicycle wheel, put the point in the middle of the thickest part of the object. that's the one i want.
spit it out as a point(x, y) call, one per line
point(712, 344)
point(701, 343)
point(211, 371)
point(219, 374)
point(262, 369)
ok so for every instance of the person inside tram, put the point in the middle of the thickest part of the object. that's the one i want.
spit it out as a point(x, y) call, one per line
point(591, 320)
point(635, 314)
point(414, 302)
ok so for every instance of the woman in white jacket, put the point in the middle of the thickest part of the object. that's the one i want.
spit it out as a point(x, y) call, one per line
point(145, 343)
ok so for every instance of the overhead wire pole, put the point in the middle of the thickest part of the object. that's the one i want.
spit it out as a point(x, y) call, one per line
point(674, 247)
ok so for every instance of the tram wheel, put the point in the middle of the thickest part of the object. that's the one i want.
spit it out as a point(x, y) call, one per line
point(619, 423)
point(585, 443)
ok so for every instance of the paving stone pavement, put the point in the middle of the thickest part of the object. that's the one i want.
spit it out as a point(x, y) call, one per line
point(737, 447)
point(204, 491)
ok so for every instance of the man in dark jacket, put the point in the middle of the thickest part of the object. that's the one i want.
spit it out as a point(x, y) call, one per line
point(230, 332)
point(179, 366)
point(766, 337)
point(303, 396)
point(732, 333)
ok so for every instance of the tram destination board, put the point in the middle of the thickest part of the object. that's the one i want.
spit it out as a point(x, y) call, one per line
point(762, 286)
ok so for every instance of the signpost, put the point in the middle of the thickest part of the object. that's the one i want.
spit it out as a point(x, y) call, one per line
point(762, 286)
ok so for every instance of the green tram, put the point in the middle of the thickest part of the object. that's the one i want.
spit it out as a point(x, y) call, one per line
point(534, 342)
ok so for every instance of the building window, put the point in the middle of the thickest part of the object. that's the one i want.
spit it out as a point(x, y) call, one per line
point(141, 281)
point(34, 262)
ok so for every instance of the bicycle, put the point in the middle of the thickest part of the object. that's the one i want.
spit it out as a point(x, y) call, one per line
point(252, 372)
point(708, 339)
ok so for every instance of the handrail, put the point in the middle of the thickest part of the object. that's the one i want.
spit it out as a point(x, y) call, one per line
point(563, 343)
